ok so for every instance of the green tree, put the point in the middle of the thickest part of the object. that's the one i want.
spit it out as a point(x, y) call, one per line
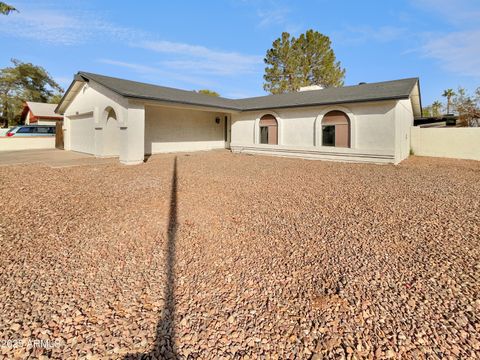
point(23, 82)
point(296, 62)
point(468, 107)
point(427, 111)
point(55, 98)
point(6, 9)
point(208, 92)
point(449, 93)
point(436, 108)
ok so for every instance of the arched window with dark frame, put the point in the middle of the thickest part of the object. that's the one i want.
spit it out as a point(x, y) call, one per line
point(336, 129)
point(268, 130)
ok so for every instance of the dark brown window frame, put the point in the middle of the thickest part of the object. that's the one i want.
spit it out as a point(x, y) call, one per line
point(331, 119)
point(269, 122)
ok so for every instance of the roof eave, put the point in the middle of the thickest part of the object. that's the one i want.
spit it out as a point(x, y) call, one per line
point(180, 102)
point(76, 78)
point(327, 103)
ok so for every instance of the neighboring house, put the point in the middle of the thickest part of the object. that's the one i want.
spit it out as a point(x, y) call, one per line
point(40, 114)
point(107, 116)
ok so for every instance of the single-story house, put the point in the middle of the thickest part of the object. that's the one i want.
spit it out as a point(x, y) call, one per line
point(369, 122)
point(40, 114)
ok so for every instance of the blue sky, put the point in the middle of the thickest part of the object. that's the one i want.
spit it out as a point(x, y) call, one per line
point(220, 45)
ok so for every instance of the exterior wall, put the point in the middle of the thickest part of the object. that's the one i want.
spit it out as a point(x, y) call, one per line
point(27, 143)
point(38, 120)
point(403, 123)
point(94, 101)
point(132, 137)
point(82, 133)
point(458, 143)
point(172, 129)
point(372, 132)
point(42, 121)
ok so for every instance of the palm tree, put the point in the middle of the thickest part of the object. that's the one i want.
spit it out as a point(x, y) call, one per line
point(6, 9)
point(449, 93)
point(436, 108)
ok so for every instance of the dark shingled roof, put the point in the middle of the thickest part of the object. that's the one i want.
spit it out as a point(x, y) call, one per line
point(138, 90)
point(396, 89)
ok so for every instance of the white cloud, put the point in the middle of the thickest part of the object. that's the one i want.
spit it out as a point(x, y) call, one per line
point(274, 13)
point(48, 26)
point(362, 34)
point(61, 27)
point(150, 73)
point(460, 12)
point(457, 52)
point(139, 68)
point(275, 16)
point(197, 58)
point(73, 27)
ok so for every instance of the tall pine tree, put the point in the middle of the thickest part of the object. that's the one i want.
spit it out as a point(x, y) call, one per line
point(296, 62)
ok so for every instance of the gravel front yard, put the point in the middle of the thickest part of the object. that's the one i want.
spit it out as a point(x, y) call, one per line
point(236, 256)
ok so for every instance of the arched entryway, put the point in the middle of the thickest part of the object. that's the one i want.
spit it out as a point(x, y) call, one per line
point(336, 129)
point(268, 127)
point(111, 137)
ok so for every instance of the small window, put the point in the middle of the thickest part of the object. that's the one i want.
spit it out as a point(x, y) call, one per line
point(268, 130)
point(328, 135)
point(263, 134)
point(336, 129)
point(25, 130)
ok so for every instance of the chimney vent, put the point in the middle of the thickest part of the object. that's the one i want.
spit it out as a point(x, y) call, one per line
point(310, 88)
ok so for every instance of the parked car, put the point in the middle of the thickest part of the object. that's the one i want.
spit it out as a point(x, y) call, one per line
point(32, 130)
point(3, 131)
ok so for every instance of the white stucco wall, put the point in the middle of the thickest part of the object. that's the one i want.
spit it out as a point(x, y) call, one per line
point(46, 122)
point(132, 137)
point(27, 143)
point(458, 143)
point(403, 123)
point(171, 129)
point(372, 130)
point(94, 99)
point(27, 118)
point(124, 139)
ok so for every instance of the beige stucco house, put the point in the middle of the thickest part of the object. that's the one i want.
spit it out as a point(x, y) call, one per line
point(371, 122)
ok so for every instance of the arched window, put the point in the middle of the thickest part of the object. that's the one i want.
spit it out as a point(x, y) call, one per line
point(268, 130)
point(336, 129)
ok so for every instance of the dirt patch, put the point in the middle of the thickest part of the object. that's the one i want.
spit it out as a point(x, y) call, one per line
point(233, 256)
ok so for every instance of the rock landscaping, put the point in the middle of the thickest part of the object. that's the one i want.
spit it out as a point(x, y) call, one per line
point(221, 256)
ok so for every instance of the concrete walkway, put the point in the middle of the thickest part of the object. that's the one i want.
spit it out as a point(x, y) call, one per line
point(51, 157)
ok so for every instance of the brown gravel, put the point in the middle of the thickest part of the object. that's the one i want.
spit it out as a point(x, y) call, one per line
point(256, 257)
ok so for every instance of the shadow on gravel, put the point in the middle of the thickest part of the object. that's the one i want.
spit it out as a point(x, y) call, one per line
point(164, 347)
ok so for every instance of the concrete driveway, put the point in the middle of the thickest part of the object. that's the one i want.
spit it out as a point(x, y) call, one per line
point(50, 157)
